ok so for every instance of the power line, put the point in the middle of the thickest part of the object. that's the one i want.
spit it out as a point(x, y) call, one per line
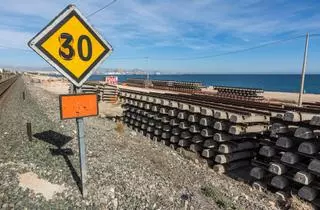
point(102, 8)
point(235, 51)
point(220, 54)
point(129, 58)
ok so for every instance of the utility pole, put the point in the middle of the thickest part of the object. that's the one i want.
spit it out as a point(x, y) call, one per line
point(304, 66)
point(148, 76)
point(147, 59)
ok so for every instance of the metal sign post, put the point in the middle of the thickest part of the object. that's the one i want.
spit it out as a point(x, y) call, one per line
point(82, 155)
point(82, 150)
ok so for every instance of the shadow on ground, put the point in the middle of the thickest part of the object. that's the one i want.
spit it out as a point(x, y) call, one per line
point(59, 140)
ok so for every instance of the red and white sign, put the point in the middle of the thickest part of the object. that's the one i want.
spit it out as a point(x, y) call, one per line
point(112, 80)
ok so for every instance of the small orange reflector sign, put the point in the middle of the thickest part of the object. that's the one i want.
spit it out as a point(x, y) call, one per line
point(78, 105)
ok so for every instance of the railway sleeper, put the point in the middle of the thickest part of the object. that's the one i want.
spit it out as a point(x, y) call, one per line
point(241, 130)
point(227, 158)
point(224, 168)
point(227, 148)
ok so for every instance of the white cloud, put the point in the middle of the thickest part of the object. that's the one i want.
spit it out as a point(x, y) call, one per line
point(14, 39)
point(37, 8)
point(192, 24)
point(174, 20)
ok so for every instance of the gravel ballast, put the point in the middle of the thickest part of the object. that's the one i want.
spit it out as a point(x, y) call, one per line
point(125, 169)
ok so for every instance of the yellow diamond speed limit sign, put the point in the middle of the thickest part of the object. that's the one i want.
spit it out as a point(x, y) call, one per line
point(71, 45)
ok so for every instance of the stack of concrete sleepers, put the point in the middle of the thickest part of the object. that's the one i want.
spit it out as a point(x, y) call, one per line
point(224, 135)
point(179, 86)
point(231, 136)
point(239, 93)
point(281, 145)
point(288, 161)
point(136, 82)
point(87, 88)
point(108, 93)
point(91, 87)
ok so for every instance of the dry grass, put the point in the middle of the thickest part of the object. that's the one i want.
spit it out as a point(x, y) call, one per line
point(298, 204)
point(119, 127)
point(222, 201)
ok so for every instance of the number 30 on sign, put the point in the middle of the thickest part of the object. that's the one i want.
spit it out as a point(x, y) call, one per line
point(67, 51)
point(71, 45)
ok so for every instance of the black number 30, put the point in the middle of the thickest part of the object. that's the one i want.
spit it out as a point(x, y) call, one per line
point(66, 50)
point(89, 47)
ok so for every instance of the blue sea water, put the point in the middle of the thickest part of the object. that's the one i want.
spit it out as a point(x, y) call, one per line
point(269, 82)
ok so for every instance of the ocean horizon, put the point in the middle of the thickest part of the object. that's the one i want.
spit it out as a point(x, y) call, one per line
point(267, 82)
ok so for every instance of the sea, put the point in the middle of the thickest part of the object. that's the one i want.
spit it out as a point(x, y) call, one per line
point(267, 82)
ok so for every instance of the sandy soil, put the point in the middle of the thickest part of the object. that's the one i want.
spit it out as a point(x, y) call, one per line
point(61, 86)
point(51, 84)
point(31, 181)
point(290, 97)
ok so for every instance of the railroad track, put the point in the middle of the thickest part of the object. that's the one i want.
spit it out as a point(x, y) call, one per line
point(179, 86)
point(6, 83)
point(248, 94)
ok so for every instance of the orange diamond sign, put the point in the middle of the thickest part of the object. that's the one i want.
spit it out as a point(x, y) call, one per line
point(71, 45)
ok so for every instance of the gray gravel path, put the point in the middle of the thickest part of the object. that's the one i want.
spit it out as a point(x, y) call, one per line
point(126, 170)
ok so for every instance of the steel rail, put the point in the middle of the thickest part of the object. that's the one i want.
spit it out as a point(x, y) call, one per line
point(216, 105)
point(237, 102)
point(265, 106)
point(5, 84)
point(200, 102)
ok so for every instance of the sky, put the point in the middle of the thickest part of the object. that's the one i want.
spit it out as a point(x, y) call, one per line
point(172, 36)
